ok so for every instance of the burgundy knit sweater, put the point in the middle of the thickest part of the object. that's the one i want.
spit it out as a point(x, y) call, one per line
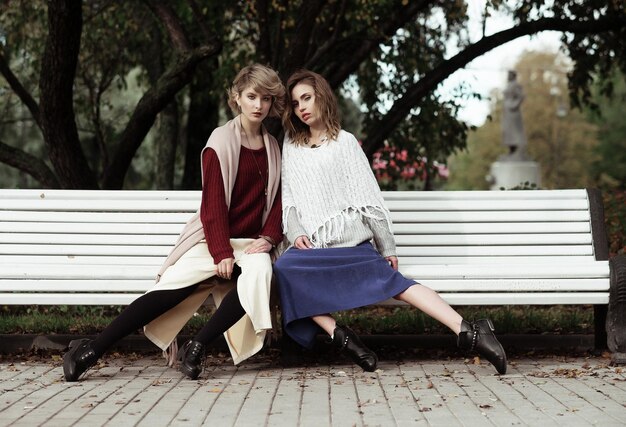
point(244, 218)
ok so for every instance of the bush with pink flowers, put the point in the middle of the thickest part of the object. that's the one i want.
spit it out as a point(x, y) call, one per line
point(396, 169)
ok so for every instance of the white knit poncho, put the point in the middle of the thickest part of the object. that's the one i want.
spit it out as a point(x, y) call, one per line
point(328, 186)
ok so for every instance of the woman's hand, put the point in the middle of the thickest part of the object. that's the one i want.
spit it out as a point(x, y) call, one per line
point(302, 242)
point(225, 268)
point(393, 261)
point(259, 245)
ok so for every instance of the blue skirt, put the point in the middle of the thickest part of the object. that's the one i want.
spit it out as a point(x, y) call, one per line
point(320, 281)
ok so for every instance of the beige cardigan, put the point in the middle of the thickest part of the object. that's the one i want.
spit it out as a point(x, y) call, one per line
point(226, 141)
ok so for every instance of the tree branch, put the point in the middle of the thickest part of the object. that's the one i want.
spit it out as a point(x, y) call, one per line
point(19, 89)
point(383, 127)
point(150, 104)
point(197, 14)
point(29, 164)
point(264, 47)
point(356, 54)
point(171, 23)
point(309, 10)
point(330, 43)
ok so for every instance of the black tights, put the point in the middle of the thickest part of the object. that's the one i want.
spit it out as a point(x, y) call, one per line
point(151, 305)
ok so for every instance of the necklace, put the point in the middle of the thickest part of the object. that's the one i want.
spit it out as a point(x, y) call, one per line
point(249, 146)
point(322, 139)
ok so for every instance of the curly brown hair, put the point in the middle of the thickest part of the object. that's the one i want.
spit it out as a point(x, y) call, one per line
point(263, 80)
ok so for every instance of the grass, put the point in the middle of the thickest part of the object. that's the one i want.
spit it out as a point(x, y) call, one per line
point(506, 319)
point(374, 320)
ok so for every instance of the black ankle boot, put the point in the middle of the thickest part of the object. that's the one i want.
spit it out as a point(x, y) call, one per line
point(349, 343)
point(191, 358)
point(78, 359)
point(479, 336)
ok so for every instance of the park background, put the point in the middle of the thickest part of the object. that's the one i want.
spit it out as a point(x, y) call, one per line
point(123, 95)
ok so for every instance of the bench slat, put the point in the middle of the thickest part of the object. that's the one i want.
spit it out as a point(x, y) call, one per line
point(69, 299)
point(491, 205)
point(535, 298)
point(88, 228)
point(97, 217)
point(579, 194)
point(403, 251)
point(529, 298)
point(195, 195)
point(489, 217)
point(77, 272)
point(135, 205)
point(81, 195)
point(565, 216)
point(102, 205)
point(418, 272)
point(528, 271)
point(83, 259)
point(473, 285)
point(398, 228)
point(404, 261)
point(482, 228)
point(60, 285)
point(85, 239)
point(492, 251)
point(73, 250)
point(401, 240)
point(488, 260)
point(493, 239)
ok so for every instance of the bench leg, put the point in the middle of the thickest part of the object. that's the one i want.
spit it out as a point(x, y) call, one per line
point(616, 317)
point(599, 322)
point(290, 351)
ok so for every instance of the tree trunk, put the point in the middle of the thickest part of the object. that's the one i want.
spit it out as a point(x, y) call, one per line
point(202, 119)
point(58, 70)
point(166, 142)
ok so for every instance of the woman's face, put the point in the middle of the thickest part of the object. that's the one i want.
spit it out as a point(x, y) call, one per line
point(303, 103)
point(254, 105)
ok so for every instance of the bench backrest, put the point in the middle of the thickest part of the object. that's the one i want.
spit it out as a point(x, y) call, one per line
point(501, 227)
point(115, 241)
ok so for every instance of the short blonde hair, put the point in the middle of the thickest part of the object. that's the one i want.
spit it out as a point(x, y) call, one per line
point(325, 106)
point(263, 80)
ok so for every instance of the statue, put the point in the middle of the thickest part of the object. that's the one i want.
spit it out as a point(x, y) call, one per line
point(512, 127)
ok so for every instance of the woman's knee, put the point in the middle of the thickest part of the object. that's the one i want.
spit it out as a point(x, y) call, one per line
point(416, 287)
point(259, 263)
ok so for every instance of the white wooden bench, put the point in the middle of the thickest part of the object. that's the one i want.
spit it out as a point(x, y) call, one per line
point(474, 247)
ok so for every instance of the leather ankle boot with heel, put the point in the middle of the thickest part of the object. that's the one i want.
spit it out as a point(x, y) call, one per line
point(191, 359)
point(479, 336)
point(349, 343)
point(78, 359)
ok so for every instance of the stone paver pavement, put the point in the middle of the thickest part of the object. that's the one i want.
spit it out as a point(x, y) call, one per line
point(128, 391)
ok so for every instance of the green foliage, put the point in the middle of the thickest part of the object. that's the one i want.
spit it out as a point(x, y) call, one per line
point(369, 320)
point(507, 319)
point(610, 166)
point(562, 140)
point(387, 47)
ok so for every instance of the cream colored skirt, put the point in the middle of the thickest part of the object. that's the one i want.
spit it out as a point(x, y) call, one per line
point(246, 337)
